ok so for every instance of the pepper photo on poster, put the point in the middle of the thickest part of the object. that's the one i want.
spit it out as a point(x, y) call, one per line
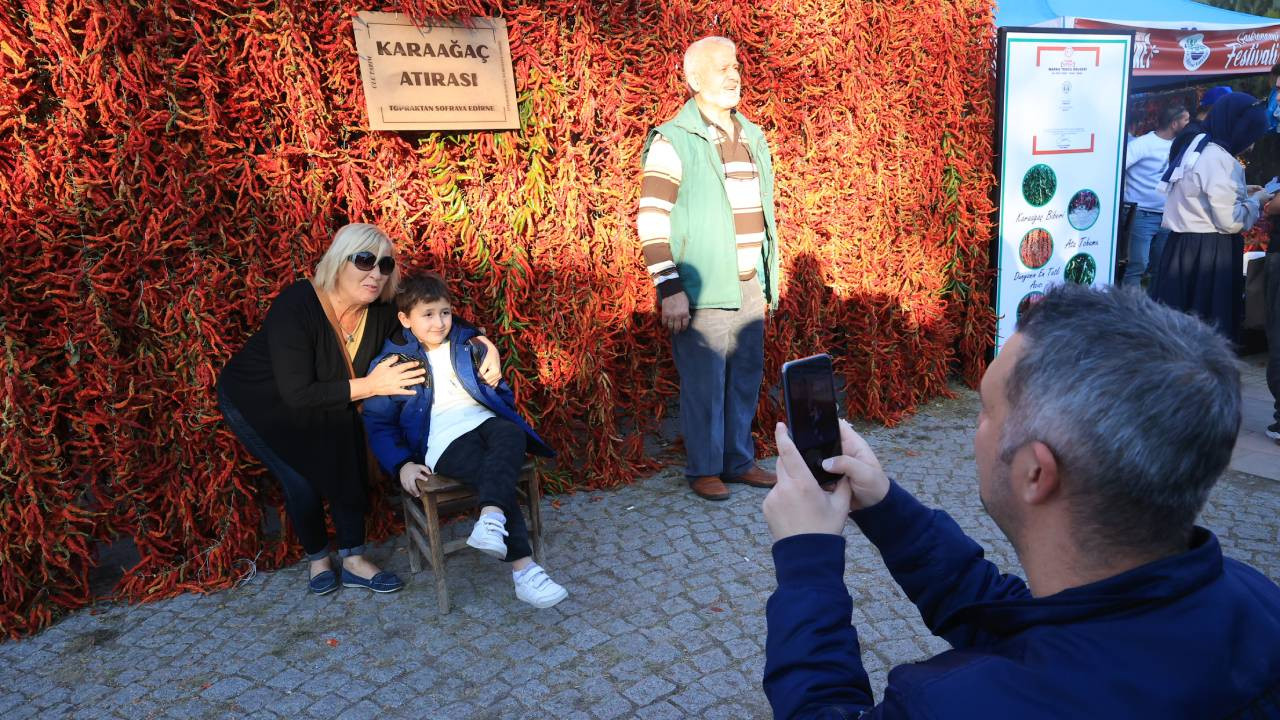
point(1081, 269)
point(1026, 302)
point(1083, 209)
point(1036, 248)
point(1039, 185)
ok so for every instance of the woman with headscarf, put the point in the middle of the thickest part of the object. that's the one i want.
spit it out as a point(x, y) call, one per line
point(1209, 206)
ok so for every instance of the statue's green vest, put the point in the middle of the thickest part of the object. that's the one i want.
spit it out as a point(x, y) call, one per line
point(703, 242)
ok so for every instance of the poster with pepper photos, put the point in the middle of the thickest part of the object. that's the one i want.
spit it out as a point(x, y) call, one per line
point(1061, 142)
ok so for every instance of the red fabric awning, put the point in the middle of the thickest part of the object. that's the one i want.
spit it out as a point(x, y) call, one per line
point(1159, 51)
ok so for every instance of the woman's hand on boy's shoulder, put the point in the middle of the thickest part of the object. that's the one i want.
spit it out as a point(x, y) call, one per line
point(491, 366)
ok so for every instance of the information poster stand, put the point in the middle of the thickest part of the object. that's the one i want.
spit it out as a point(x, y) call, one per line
point(1060, 125)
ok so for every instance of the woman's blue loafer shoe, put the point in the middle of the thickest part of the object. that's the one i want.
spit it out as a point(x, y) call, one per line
point(323, 583)
point(383, 582)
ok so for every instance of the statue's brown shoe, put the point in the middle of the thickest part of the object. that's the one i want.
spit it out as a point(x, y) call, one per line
point(755, 477)
point(709, 488)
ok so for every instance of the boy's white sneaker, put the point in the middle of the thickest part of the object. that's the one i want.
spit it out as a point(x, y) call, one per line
point(534, 587)
point(487, 536)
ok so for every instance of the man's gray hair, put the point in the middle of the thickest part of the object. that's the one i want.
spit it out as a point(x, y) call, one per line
point(1140, 404)
point(693, 54)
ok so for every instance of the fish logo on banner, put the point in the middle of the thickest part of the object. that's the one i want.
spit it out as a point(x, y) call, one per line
point(1194, 51)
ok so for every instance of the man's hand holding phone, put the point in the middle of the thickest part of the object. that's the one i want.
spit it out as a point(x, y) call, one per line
point(798, 505)
point(860, 469)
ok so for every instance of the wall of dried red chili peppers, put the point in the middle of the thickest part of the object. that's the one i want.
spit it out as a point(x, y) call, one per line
point(167, 167)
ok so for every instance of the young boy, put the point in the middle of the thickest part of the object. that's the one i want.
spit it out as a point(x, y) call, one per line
point(461, 427)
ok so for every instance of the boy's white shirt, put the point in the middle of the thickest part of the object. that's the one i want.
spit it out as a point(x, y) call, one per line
point(454, 412)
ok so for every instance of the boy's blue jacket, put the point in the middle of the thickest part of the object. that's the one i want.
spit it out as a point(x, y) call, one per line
point(1194, 635)
point(399, 425)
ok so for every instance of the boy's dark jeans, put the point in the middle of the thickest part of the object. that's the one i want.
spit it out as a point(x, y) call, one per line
point(489, 459)
point(301, 501)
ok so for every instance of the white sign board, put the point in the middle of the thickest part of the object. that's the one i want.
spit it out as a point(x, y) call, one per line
point(443, 75)
point(1063, 99)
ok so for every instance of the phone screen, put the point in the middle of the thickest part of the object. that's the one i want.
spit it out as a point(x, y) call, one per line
point(809, 390)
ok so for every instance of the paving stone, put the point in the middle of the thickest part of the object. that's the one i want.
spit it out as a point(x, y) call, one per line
point(363, 710)
point(52, 696)
point(142, 710)
point(22, 712)
point(648, 690)
point(562, 702)
point(587, 639)
point(226, 688)
point(711, 660)
point(256, 699)
point(290, 705)
point(693, 700)
point(326, 707)
point(660, 711)
point(611, 706)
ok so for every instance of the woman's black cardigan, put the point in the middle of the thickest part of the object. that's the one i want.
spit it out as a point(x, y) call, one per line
point(290, 382)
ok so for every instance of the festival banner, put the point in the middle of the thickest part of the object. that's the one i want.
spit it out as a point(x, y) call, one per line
point(1061, 143)
point(1158, 51)
point(441, 75)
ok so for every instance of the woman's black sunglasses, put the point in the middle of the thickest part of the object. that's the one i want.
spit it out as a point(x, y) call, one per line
point(365, 260)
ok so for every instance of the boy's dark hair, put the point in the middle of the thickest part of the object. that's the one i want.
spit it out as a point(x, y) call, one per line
point(421, 288)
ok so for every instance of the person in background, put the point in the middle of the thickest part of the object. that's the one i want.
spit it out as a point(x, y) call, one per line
point(1129, 609)
point(1208, 208)
point(710, 242)
point(1196, 126)
point(1144, 164)
point(1273, 107)
point(1272, 296)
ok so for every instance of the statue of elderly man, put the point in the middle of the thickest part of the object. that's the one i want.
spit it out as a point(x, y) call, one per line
point(710, 242)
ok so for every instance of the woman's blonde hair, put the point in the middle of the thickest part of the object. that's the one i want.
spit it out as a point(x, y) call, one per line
point(349, 240)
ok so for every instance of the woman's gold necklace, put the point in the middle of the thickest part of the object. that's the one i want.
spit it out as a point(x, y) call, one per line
point(351, 336)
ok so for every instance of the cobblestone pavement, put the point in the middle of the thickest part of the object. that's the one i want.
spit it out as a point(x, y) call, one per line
point(665, 617)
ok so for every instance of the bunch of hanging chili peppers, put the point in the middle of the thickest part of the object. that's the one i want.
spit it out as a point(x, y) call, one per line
point(167, 167)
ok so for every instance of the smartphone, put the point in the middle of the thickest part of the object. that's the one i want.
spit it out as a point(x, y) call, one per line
point(809, 391)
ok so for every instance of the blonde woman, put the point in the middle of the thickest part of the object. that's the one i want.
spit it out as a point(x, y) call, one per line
point(292, 395)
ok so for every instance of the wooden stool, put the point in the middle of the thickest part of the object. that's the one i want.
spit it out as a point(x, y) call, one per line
point(444, 494)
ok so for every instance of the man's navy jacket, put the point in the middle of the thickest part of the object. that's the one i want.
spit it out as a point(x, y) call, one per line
point(1189, 636)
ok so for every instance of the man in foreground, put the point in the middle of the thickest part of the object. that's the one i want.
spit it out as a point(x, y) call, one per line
point(1106, 419)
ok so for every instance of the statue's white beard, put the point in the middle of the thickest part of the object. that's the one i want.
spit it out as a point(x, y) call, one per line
point(726, 99)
